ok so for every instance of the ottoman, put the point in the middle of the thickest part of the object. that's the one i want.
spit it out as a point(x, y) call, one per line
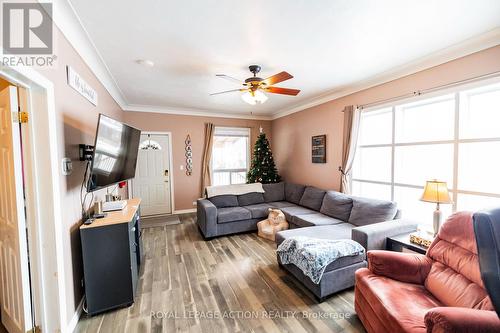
point(338, 275)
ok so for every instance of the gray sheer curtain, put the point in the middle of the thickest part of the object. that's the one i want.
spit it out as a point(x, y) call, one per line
point(352, 120)
point(206, 172)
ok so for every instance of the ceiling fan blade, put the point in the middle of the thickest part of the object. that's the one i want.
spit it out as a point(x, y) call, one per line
point(227, 91)
point(230, 78)
point(277, 78)
point(283, 91)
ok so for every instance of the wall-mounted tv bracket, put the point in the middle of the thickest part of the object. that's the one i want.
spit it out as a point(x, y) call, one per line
point(86, 152)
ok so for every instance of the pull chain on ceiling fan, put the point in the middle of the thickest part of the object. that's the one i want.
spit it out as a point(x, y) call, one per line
point(254, 87)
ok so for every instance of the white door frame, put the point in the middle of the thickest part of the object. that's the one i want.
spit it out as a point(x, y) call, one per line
point(170, 168)
point(44, 202)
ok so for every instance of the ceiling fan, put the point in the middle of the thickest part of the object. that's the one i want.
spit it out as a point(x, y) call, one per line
point(253, 87)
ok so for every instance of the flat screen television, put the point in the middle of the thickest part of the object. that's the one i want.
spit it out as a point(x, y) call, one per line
point(115, 153)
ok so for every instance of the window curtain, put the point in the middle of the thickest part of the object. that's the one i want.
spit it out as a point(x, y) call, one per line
point(206, 172)
point(352, 120)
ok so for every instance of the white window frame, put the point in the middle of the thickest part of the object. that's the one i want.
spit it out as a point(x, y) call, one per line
point(456, 141)
point(231, 171)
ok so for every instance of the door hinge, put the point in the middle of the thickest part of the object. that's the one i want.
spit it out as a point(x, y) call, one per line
point(20, 117)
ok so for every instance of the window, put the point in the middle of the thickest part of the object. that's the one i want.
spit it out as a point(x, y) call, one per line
point(454, 137)
point(230, 155)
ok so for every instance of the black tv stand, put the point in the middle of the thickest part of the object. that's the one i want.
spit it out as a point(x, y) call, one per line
point(112, 251)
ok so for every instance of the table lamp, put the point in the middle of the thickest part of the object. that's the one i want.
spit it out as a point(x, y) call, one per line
point(437, 192)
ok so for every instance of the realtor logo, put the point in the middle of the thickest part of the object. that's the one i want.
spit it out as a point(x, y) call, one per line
point(27, 28)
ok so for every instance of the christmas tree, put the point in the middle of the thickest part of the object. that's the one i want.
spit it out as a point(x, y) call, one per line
point(263, 169)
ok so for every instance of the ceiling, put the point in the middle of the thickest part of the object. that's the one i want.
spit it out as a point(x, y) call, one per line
point(326, 45)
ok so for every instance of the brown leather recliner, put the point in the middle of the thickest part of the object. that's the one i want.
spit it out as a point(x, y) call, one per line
point(441, 291)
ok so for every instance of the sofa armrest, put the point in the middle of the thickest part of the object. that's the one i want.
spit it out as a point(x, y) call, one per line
point(461, 320)
point(404, 267)
point(206, 213)
point(374, 236)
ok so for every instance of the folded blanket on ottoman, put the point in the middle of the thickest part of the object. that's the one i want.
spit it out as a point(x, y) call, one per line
point(312, 255)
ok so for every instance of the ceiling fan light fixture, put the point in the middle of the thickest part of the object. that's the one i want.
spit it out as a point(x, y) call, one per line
point(248, 98)
point(254, 87)
point(260, 97)
point(254, 97)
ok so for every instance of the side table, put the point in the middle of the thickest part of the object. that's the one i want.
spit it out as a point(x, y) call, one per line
point(402, 241)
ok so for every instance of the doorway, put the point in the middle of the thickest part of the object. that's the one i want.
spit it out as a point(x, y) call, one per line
point(43, 197)
point(17, 306)
point(153, 179)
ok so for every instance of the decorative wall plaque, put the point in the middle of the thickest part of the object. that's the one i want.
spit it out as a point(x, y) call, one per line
point(189, 156)
point(76, 82)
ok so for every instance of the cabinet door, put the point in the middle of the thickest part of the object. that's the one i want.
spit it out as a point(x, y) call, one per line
point(107, 269)
point(133, 255)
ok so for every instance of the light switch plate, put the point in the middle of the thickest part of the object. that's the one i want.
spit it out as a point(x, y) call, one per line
point(67, 166)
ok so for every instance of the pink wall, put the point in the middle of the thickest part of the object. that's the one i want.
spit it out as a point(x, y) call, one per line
point(292, 134)
point(187, 188)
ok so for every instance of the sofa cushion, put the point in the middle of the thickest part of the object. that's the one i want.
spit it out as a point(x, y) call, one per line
point(337, 205)
point(259, 211)
point(231, 214)
point(293, 192)
point(312, 198)
point(252, 198)
point(336, 231)
point(368, 211)
point(290, 212)
point(389, 300)
point(310, 220)
point(221, 201)
point(274, 192)
point(281, 204)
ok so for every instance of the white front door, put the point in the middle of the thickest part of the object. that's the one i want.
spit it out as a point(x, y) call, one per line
point(152, 176)
point(15, 302)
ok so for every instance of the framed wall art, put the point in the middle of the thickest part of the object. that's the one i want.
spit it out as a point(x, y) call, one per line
point(318, 151)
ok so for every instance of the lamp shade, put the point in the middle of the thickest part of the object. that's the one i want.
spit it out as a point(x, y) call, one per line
point(436, 191)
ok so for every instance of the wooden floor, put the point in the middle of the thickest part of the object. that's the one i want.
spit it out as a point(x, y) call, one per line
point(229, 284)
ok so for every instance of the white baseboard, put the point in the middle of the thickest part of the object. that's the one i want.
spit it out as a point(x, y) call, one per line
point(76, 317)
point(185, 211)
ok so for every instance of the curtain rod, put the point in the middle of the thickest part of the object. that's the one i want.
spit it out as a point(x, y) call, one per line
point(428, 90)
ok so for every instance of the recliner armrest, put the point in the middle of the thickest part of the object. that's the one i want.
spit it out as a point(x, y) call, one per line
point(461, 320)
point(206, 213)
point(404, 267)
point(374, 236)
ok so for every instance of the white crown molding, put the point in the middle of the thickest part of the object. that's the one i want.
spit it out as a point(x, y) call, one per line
point(70, 25)
point(191, 112)
point(469, 46)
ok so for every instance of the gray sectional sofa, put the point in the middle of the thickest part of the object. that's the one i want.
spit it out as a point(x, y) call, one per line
point(310, 212)
point(303, 206)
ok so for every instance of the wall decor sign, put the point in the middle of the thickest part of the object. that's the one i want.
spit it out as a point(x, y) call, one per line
point(318, 151)
point(76, 82)
point(189, 156)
